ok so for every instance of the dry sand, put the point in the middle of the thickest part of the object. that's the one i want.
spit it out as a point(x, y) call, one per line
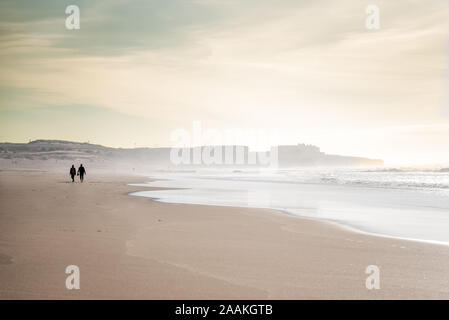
point(135, 248)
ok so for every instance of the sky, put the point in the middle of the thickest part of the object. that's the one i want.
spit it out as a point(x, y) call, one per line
point(304, 71)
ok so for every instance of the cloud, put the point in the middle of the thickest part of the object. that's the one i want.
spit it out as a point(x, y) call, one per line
point(309, 67)
point(109, 28)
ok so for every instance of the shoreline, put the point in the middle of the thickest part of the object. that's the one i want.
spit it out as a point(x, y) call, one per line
point(335, 221)
point(137, 248)
point(336, 224)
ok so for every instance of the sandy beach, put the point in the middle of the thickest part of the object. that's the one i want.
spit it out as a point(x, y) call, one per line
point(135, 248)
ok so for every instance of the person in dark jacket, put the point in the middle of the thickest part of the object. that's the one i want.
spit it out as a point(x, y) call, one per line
point(73, 173)
point(81, 172)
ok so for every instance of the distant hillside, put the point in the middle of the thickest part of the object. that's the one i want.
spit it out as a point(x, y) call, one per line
point(54, 154)
point(57, 153)
point(67, 150)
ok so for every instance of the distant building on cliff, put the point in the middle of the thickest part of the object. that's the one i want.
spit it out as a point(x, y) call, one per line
point(309, 155)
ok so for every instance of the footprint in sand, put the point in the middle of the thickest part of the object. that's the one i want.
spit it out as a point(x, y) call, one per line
point(5, 259)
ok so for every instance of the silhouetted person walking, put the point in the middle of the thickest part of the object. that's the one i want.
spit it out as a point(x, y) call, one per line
point(81, 172)
point(73, 173)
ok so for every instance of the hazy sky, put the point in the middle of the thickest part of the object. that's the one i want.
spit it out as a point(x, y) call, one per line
point(306, 69)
